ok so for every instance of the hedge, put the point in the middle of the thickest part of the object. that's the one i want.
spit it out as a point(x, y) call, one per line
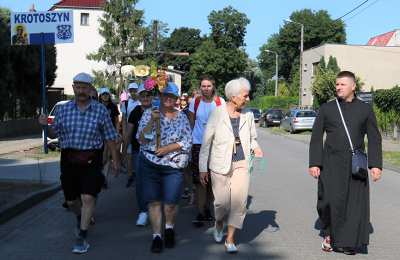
point(266, 102)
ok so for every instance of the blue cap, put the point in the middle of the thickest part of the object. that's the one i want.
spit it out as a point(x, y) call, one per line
point(141, 88)
point(83, 78)
point(104, 90)
point(133, 85)
point(171, 88)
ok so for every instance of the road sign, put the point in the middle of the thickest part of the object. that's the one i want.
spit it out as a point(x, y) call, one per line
point(36, 28)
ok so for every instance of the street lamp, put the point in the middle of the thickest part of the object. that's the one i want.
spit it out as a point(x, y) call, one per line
point(301, 55)
point(276, 70)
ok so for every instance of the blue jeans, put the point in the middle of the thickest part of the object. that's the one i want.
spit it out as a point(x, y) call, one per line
point(142, 205)
point(160, 183)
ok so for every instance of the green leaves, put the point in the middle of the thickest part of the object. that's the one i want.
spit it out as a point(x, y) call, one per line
point(319, 28)
point(221, 55)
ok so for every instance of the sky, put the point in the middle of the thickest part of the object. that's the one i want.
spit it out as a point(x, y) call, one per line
point(266, 16)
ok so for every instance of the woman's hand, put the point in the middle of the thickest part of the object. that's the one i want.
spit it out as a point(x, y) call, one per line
point(204, 178)
point(163, 150)
point(258, 153)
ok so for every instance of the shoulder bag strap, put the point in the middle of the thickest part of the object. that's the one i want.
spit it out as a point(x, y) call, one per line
point(345, 127)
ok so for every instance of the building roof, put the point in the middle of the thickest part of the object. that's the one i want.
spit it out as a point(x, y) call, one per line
point(79, 4)
point(381, 40)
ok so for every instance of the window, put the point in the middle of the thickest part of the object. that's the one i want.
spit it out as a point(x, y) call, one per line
point(84, 19)
point(315, 68)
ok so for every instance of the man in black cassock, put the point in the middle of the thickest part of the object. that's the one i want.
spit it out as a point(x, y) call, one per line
point(343, 201)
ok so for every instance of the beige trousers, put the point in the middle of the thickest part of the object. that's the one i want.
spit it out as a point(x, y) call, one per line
point(230, 194)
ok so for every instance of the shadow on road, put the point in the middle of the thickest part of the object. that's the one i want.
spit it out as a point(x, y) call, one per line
point(256, 223)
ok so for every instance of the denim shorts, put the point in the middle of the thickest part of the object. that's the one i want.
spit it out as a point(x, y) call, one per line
point(160, 183)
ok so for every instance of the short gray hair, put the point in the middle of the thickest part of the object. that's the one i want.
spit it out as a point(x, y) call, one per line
point(235, 86)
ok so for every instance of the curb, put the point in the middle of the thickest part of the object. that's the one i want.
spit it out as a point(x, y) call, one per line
point(28, 202)
point(386, 165)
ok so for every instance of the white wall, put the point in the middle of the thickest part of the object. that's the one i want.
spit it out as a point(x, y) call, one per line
point(378, 67)
point(71, 57)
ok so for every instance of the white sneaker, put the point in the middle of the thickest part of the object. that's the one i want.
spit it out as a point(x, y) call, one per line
point(230, 248)
point(218, 235)
point(142, 219)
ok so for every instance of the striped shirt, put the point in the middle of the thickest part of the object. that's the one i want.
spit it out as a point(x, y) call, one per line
point(83, 130)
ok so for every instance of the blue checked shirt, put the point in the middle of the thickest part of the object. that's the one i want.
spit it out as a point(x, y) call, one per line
point(83, 130)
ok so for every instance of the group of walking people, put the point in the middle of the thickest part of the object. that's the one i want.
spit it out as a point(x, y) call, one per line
point(211, 142)
point(213, 138)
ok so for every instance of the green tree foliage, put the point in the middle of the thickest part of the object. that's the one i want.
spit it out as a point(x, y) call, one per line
point(122, 27)
point(221, 55)
point(387, 108)
point(266, 102)
point(20, 86)
point(324, 84)
point(228, 27)
point(319, 28)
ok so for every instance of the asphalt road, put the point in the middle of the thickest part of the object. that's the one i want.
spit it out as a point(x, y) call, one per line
point(282, 195)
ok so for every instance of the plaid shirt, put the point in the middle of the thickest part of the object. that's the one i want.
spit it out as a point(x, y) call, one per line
point(83, 130)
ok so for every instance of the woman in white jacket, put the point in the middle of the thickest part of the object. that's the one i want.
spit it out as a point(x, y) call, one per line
point(228, 142)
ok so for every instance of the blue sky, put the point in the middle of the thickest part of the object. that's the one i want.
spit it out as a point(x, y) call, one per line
point(375, 17)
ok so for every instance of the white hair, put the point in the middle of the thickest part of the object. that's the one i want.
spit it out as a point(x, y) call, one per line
point(235, 86)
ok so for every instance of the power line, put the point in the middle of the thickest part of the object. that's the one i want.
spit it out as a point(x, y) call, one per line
point(361, 11)
point(352, 10)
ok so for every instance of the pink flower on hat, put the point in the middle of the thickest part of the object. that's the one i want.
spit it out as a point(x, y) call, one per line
point(149, 84)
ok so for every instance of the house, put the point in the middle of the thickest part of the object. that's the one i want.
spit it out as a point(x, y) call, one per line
point(387, 39)
point(72, 57)
point(378, 67)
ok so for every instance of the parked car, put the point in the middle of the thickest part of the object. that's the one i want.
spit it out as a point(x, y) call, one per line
point(298, 119)
point(53, 143)
point(256, 113)
point(271, 117)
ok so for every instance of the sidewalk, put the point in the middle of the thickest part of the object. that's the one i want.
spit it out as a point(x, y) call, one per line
point(19, 144)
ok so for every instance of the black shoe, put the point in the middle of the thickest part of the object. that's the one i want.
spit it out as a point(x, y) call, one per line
point(157, 245)
point(199, 220)
point(169, 238)
point(208, 216)
point(130, 181)
point(346, 250)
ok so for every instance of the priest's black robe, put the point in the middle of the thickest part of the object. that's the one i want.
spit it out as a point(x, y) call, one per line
point(343, 202)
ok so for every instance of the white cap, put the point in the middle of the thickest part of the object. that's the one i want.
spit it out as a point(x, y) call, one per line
point(83, 78)
point(133, 85)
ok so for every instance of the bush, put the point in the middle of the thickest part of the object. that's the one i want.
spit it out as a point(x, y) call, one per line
point(266, 102)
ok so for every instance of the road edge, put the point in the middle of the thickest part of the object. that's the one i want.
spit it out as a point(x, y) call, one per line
point(386, 166)
point(27, 202)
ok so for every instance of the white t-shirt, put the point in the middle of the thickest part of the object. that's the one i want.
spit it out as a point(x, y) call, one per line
point(203, 112)
point(131, 106)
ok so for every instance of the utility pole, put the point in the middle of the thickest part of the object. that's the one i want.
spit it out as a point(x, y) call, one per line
point(276, 70)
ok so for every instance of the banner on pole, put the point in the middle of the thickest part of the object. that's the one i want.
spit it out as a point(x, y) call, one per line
point(35, 28)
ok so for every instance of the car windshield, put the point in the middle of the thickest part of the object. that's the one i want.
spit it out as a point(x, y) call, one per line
point(255, 111)
point(275, 112)
point(306, 114)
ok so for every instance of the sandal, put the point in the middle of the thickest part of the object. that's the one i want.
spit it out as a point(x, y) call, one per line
point(326, 245)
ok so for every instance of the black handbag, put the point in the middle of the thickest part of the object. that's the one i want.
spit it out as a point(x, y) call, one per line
point(359, 161)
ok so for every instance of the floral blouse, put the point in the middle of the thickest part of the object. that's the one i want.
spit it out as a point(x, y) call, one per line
point(175, 130)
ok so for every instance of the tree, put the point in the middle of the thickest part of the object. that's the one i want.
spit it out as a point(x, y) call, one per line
point(228, 27)
point(324, 85)
point(221, 55)
point(319, 28)
point(20, 86)
point(122, 27)
point(182, 40)
point(223, 64)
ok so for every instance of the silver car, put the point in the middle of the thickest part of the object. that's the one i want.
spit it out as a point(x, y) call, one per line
point(298, 119)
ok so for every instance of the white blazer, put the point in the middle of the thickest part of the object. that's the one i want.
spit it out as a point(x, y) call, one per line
point(218, 140)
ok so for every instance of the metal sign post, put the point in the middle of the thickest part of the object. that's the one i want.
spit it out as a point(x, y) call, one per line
point(44, 94)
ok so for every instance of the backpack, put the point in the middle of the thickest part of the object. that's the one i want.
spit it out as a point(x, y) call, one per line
point(217, 100)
